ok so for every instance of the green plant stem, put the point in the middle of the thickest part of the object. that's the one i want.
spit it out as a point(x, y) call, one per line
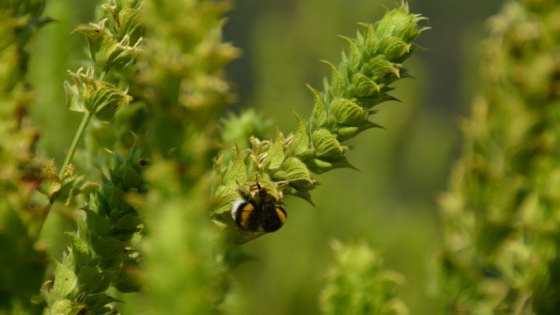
point(77, 137)
point(102, 75)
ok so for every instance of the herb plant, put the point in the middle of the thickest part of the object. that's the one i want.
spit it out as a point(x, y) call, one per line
point(149, 180)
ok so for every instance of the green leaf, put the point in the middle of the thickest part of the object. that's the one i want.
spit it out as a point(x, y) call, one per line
point(347, 112)
point(355, 58)
point(326, 144)
point(73, 98)
point(109, 248)
point(320, 166)
point(364, 86)
point(394, 48)
point(50, 182)
point(130, 177)
point(65, 281)
point(127, 281)
point(239, 236)
point(98, 225)
point(347, 132)
point(296, 170)
point(381, 70)
point(67, 307)
point(81, 251)
point(92, 279)
point(370, 42)
point(338, 82)
point(96, 97)
point(127, 224)
point(107, 100)
point(95, 35)
point(224, 197)
point(370, 102)
point(320, 112)
point(276, 152)
point(300, 141)
point(115, 197)
point(237, 171)
point(97, 303)
point(130, 24)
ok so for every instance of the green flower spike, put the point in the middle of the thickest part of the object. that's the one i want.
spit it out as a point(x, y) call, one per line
point(104, 250)
point(341, 111)
point(358, 283)
point(501, 215)
point(114, 45)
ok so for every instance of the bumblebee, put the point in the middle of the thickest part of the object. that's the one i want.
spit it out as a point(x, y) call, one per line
point(263, 214)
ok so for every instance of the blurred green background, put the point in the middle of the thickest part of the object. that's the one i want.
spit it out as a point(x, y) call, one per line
point(390, 202)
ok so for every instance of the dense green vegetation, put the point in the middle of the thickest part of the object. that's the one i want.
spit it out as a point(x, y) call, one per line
point(129, 129)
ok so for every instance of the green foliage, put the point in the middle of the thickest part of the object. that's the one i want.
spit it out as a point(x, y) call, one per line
point(501, 234)
point(113, 55)
point(150, 95)
point(22, 258)
point(184, 268)
point(359, 284)
point(182, 84)
point(99, 98)
point(104, 251)
point(340, 112)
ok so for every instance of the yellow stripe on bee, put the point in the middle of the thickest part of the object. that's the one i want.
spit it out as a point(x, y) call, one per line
point(245, 216)
point(281, 215)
